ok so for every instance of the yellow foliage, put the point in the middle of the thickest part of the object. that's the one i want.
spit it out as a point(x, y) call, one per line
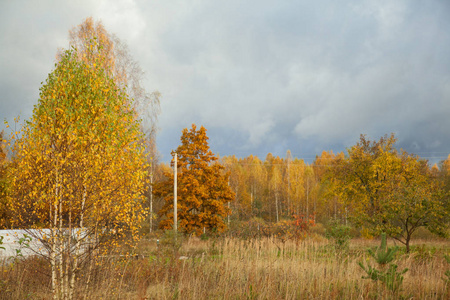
point(389, 191)
point(79, 161)
point(366, 233)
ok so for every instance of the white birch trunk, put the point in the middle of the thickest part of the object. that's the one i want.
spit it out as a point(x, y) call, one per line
point(77, 246)
point(307, 198)
point(151, 196)
point(61, 249)
point(53, 241)
point(276, 205)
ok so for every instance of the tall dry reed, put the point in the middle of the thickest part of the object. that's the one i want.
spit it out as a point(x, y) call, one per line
point(264, 268)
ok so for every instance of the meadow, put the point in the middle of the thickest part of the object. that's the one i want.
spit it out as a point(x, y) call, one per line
point(232, 268)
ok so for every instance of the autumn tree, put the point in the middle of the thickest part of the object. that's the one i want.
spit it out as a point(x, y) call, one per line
point(238, 170)
point(329, 199)
point(256, 177)
point(115, 58)
point(240, 207)
point(127, 74)
point(310, 187)
point(203, 190)
point(274, 167)
point(78, 167)
point(390, 191)
point(442, 176)
point(296, 184)
point(4, 212)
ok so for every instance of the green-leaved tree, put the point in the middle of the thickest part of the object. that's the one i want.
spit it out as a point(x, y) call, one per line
point(390, 191)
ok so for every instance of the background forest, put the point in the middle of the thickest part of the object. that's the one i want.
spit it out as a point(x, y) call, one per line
point(374, 187)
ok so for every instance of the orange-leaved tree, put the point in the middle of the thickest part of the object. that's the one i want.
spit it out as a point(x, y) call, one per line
point(203, 189)
point(77, 174)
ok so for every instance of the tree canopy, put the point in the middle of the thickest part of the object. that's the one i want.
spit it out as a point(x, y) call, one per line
point(114, 57)
point(389, 191)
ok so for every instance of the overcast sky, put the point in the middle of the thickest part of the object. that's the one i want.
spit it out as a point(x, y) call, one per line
point(261, 76)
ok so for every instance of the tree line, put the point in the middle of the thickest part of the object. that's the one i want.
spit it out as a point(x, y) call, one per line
point(373, 186)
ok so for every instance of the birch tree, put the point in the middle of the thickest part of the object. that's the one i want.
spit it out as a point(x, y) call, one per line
point(78, 167)
point(115, 58)
point(127, 74)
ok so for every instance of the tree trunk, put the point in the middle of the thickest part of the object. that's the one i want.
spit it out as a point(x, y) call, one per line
point(53, 263)
point(335, 208)
point(276, 205)
point(307, 198)
point(151, 196)
point(288, 191)
point(61, 251)
point(54, 241)
point(78, 245)
point(407, 240)
point(251, 202)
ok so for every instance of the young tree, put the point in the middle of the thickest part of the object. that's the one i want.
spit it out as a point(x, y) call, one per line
point(236, 183)
point(296, 187)
point(242, 206)
point(203, 190)
point(389, 191)
point(329, 200)
point(275, 182)
point(256, 177)
point(78, 167)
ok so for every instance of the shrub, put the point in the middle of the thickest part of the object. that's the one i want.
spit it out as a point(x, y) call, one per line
point(170, 242)
point(383, 255)
point(339, 235)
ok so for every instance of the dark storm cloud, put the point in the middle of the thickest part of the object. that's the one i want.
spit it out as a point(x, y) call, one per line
point(262, 76)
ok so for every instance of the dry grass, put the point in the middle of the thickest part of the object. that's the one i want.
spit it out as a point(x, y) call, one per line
point(251, 269)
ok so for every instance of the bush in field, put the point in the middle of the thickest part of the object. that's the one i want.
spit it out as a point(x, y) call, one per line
point(170, 242)
point(291, 229)
point(246, 229)
point(295, 229)
point(339, 235)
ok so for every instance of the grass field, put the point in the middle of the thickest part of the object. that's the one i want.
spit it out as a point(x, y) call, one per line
point(228, 268)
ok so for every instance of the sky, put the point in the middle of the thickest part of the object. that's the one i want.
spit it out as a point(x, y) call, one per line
point(261, 76)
